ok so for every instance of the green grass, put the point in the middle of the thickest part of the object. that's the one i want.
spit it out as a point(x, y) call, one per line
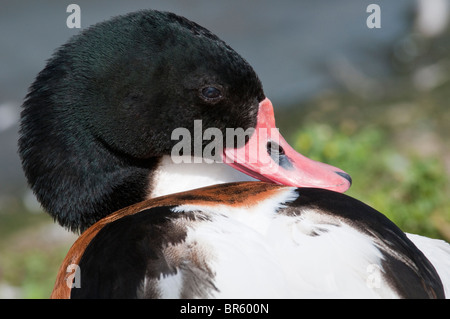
point(32, 270)
point(29, 259)
point(408, 189)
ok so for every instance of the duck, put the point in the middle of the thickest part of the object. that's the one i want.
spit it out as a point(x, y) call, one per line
point(116, 142)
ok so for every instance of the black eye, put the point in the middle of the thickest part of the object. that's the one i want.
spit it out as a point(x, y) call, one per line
point(211, 93)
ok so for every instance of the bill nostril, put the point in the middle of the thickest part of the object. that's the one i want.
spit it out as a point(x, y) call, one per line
point(276, 152)
point(274, 149)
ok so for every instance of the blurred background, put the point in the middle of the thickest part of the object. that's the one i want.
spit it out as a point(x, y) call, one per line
point(374, 102)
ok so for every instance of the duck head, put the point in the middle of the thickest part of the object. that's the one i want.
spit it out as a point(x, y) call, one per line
point(97, 123)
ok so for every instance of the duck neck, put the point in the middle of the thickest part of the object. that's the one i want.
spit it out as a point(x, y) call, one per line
point(182, 173)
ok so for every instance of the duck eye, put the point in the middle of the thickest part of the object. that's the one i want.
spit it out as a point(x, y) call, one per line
point(211, 93)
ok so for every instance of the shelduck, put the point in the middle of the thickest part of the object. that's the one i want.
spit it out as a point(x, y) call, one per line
point(251, 219)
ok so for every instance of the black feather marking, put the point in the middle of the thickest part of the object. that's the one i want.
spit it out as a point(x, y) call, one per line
point(128, 257)
point(405, 267)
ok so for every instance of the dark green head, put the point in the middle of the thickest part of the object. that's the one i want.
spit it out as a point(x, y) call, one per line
point(100, 114)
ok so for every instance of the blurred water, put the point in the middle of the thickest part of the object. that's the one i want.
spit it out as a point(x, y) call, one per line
point(293, 45)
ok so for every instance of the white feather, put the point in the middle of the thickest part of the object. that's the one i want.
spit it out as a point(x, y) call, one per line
point(175, 176)
point(170, 285)
point(281, 257)
point(438, 253)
